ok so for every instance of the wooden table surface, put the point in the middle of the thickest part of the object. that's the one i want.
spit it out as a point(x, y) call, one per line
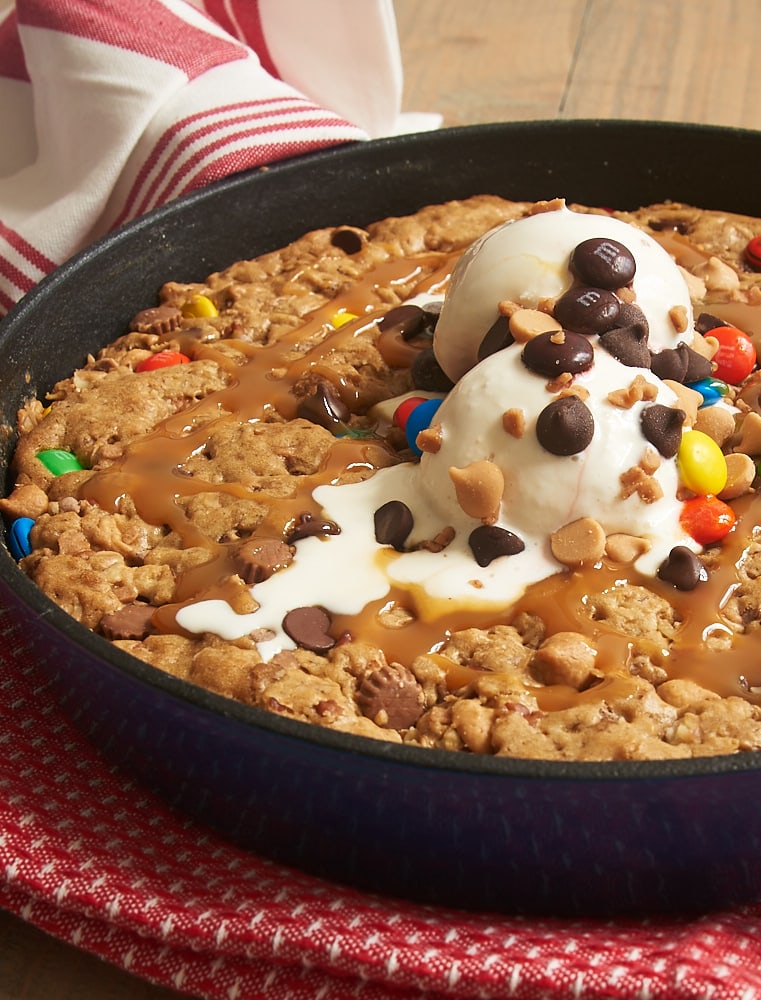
point(501, 60)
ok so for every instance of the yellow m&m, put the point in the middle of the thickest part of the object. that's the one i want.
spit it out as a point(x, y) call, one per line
point(199, 307)
point(701, 463)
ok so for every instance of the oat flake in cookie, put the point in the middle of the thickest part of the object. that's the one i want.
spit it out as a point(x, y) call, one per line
point(483, 478)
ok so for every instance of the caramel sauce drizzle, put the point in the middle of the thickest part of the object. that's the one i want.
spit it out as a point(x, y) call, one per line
point(151, 473)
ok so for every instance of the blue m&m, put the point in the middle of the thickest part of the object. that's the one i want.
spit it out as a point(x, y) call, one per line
point(19, 543)
point(418, 420)
point(711, 389)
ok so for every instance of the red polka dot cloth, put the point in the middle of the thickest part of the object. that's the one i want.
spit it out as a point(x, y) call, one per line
point(95, 860)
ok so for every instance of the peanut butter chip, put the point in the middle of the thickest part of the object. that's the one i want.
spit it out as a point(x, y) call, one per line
point(750, 435)
point(716, 422)
point(678, 317)
point(429, 440)
point(707, 346)
point(514, 422)
point(581, 541)
point(526, 324)
point(479, 488)
point(717, 275)
point(623, 548)
point(741, 471)
point(687, 399)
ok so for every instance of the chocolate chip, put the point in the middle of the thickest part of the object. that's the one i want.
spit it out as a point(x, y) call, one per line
point(427, 373)
point(698, 367)
point(603, 263)
point(497, 338)
point(554, 353)
point(682, 568)
point(407, 320)
point(431, 313)
point(587, 310)
point(706, 322)
point(393, 523)
point(347, 239)
point(391, 696)
point(630, 314)
point(308, 627)
point(323, 406)
point(306, 525)
point(627, 344)
point(257, 559)
point(669, 364)
point(662, 426)
point(565, 426)
point(680, 364)
point(131, 621)
point(488, 542)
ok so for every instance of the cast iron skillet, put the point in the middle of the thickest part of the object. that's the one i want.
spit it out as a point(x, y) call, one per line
point(458, 829)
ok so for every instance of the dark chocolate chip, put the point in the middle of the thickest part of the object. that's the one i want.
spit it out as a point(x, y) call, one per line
point(347, 239)
point(431, 313)
point(257, 559)
point(131, 621)
point(627, 344)
point(323, 406)
point(706, 322)
point(587, 310)
point(682, 568)
point(306, 525)
point(488, 542)
point(393, 523)
point(603, 263)
point(308, 627)
point(553, 354)
point(698, 367)
point(630, 314)
point(680, 364)
point(565, 426)
point(391, 696)
point(427, 373)
point(662, 426)
point(669, 364)
point(407, 320)
point(497, 338)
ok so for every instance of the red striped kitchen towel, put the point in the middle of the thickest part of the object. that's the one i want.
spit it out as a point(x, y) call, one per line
point(112, 107)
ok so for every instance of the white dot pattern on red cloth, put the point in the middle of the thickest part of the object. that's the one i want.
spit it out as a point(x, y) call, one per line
point(92, 858)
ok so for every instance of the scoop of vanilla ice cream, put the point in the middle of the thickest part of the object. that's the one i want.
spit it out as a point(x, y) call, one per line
point(526, 261)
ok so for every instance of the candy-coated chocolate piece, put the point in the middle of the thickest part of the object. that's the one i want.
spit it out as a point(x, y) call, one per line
point(163, 359)
point(341, 317)
point(736, 356)
point(603, 263)
point(18, 537)
point(417, 421)
point(752, 253)
point(707, 519)
point(711, 389)
point(701, 462)
point(199, 307)
point(403, 410)
point(58, 461)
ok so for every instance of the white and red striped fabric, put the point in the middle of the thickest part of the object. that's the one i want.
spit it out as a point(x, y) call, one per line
point(109, 108)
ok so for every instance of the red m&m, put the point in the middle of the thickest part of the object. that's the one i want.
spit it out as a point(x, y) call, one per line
point(753, 253)
point(736, 356)
point(707, 519)
point(164, 359)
